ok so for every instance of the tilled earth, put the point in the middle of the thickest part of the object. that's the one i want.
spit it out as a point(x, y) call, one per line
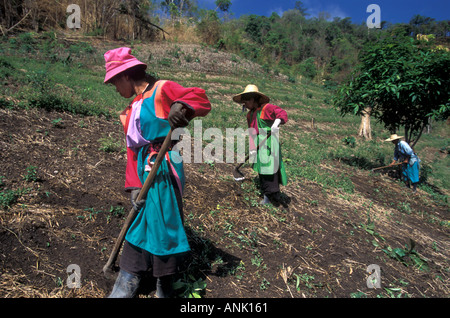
point(63, 203)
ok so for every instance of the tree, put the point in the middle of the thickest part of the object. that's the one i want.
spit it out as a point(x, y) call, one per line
point(223, 5)
point(179, 8)
point(257, 28)
point(300, 7)
point(403, 81)
point(421, 24)
point(208, 28)
point(138, 10)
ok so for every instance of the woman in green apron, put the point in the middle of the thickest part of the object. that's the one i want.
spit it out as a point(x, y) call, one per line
point(263, 120)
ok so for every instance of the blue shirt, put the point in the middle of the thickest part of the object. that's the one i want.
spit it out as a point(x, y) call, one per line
point(404, 151)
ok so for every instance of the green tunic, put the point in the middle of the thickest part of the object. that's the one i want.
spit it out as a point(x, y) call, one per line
point(269, 160)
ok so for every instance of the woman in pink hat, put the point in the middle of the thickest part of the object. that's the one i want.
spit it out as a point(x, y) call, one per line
point(156, 240)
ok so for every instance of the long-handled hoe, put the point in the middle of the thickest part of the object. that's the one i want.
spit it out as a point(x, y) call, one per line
point(237, 174)
point(390, 166)
point(109, 268)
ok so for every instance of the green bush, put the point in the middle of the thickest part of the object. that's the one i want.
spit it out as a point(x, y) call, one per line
point(349, 141)
point(8, 198)
point(31, 174)
point(4, 103)
point(307, 68)
point(209, 29)
point(109, 144)
point(6, 70)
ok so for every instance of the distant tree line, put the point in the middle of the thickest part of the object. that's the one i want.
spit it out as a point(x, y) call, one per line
point(321, 48)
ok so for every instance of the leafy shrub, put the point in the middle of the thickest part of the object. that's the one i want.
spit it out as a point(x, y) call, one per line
point(6, 70)
point(109, 144)
point(165, 62)
point(349, 141)
point(81, 48)
point(307, 68)
point(8, 198)
point(209, 27)
point(27, 43)
point(31, 174)
point(4, 103)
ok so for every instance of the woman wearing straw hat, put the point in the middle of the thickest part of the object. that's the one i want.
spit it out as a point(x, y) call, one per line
point(403, 153)
point(264, 119)
point(156, 239)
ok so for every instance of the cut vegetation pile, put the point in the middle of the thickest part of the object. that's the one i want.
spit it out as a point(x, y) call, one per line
point(62, 176)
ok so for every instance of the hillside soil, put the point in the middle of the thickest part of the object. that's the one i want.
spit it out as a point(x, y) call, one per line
point(70, 209)
point(63, 203)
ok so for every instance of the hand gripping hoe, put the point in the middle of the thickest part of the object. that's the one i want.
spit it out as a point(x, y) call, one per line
point(237, 174)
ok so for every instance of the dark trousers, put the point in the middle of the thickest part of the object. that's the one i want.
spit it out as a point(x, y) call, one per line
point(137, 261)
point(269, 183)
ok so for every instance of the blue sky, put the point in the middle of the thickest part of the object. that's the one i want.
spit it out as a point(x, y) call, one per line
point(394, 11)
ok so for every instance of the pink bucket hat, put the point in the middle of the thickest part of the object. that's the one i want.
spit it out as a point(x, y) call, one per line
point(119, 60)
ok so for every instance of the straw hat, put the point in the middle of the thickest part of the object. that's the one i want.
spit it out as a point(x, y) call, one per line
point(394, 137)
point(119, 60)
point(251, 89)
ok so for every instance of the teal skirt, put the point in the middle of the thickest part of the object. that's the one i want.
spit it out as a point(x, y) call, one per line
point(411, 173)
point(158, 227)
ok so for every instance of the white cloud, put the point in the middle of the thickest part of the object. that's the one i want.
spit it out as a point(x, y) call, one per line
point(277, 10)
point(335, 11)
point(315, 7)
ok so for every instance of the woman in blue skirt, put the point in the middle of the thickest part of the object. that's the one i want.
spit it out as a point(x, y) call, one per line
point(403, 153)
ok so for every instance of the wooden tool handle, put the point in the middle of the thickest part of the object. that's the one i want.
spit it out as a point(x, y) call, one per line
point(389, 166)
point(108, 268)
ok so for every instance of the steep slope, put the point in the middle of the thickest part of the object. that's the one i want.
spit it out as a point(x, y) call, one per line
point(66, 206)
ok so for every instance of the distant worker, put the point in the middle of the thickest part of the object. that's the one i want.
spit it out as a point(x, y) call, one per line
point(403, 153)
point(264, 119)
point(156, 240)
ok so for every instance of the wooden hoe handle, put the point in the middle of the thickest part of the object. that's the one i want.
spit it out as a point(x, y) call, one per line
point(108, 269)
point(390, 166)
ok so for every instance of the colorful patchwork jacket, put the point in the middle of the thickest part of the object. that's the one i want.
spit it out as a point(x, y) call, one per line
point(145, 119)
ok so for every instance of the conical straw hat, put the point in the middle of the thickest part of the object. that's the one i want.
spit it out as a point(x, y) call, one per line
point(251, 89)
point(394, 137)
